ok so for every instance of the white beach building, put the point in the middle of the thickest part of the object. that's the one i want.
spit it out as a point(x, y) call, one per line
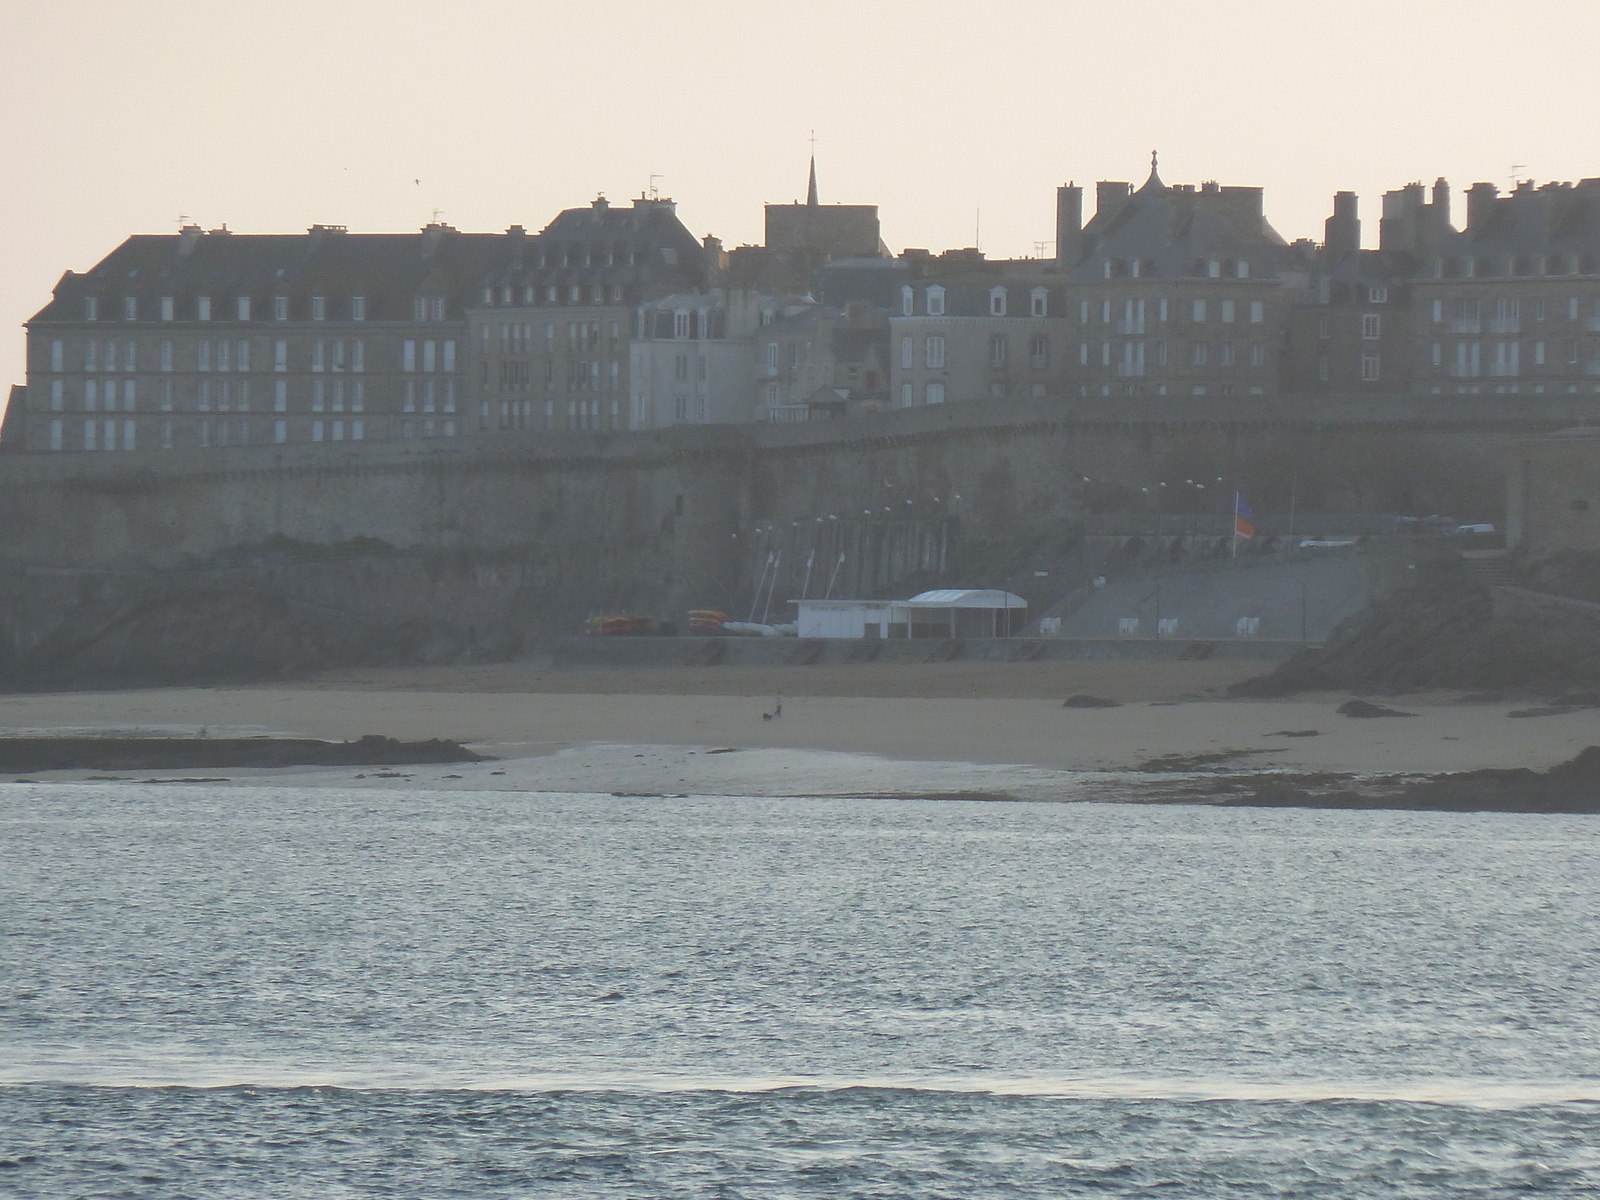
point(947, 612)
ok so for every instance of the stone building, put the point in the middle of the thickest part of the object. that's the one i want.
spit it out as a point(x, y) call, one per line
point(821, 361)
point(1179, 290)
point(1510, 303)
point(210, 339)
point(551, 322)
point(1351, 331)
point(968, 329)
point(692, 359)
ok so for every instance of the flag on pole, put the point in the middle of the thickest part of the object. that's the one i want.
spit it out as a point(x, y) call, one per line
point(1243, 526)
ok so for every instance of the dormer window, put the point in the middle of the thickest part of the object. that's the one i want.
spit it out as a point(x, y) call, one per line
point(166, 308)
point(488, 295)
point(680, 323)
point(906, 302)
point(1241, 270)
point(997, 302)
point(280, 308)
point(358, 308)
point(130, 308)
point(319, 308)
point(505, 295)
point(1040, 299)
point(1377, 295)
point(935, 301)
point(1133, 268)
point(241, 308)
point(436, 305)
point(91, 308)
point(1105, 269)
point(1214, 268)
point(202, 308)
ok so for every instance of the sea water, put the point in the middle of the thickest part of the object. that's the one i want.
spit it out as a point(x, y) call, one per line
point(215, 991)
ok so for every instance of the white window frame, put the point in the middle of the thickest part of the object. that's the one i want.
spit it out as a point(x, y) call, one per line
point(934, 298)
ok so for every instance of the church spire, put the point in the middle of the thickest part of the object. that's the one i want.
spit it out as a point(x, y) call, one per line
point(811, 187)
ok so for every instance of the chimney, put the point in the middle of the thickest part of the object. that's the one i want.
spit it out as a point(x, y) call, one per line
point(1402, 214)
point(1441, 201)
point(188, 237)
point(1480, 206)
point(1342, 231)
point(711, 244)
point(1069, 225)
point(1109, 196)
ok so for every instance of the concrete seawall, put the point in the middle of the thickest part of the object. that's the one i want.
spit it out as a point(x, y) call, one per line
point(491, 543)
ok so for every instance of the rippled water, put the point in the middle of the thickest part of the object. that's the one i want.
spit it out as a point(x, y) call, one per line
point(250, 992)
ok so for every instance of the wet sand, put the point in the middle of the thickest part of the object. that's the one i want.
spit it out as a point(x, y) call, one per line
point(643, 731)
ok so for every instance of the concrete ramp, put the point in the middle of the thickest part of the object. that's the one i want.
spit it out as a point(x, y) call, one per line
point(1302, 597)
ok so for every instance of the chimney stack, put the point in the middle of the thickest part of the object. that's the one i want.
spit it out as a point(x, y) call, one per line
point(1109, 196)
point(1480, 206)
point(1069, 225)
point(1342, 231)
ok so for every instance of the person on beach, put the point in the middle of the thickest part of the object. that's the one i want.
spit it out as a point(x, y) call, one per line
point(777, 706)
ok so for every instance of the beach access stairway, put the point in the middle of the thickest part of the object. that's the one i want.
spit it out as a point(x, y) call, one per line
point(1298, 597)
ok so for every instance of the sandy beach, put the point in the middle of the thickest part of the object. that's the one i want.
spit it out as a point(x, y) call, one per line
point(978, 728)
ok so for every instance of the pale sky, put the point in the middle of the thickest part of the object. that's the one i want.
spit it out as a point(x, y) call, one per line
point(121, 117)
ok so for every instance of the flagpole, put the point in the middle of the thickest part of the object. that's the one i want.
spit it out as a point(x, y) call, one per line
point(1235, 553)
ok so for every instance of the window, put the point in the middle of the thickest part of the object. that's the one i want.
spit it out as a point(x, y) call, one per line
point(358, 429)
point(316, 431)
point(1258, 312)
point(91, 311)
point(202, 308)
point(202, 356)
point(358, 308)
point(1083, 354)
point(242, 308)
point(280, 395)
point(1227, 312)
point(1041, 302)
point(57, 395)
point(1105, 354)
point(319, 395)
point(1105, 312)
point(242, 356)
point(1214, 269)
point(1538, 308)
point(408, 356)
point(436, 305)
point(1039, 352)
point(936, 301)
point(166, 395)
point(1225, 357)
point(1322, 368)
point(319, 308)
point(449, 349)
point(280, 308)
point(58, 355)
point(997, 350)
point(1258, 354)
point(905, 302)
point(428, 354)
point(1369, 367)
point(1538, 354)
point(680, 324)
point(905, 353)
point(1377, 295)
point(1437, 354)
point(280, 356)
point(1198, 313)
point(681, 368)
point(933, 354)
point(1242, 270)
point(934, 393)
point(1083, 312)
point(1572, 309)
point(1438, 311)
point(317, 361)
point(57, 434)
point(1371, 326)
point(1198, 354)
point(280, 432)
point(772, 358)
point(997, 302)
point(130, 308)
point(358, 396)
point(905, 395)
point(166, 308)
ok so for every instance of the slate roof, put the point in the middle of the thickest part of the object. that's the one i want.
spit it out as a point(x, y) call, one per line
point(388, 269)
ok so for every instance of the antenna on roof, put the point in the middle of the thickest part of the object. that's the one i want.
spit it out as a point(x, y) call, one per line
point(183, 220)
point(655, 193)
point(437, 213)
point(1515, 167)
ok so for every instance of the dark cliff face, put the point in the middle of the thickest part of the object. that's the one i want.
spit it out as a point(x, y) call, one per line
point(1447, 634)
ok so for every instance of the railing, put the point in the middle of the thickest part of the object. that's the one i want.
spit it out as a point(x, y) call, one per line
point(789, 414)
